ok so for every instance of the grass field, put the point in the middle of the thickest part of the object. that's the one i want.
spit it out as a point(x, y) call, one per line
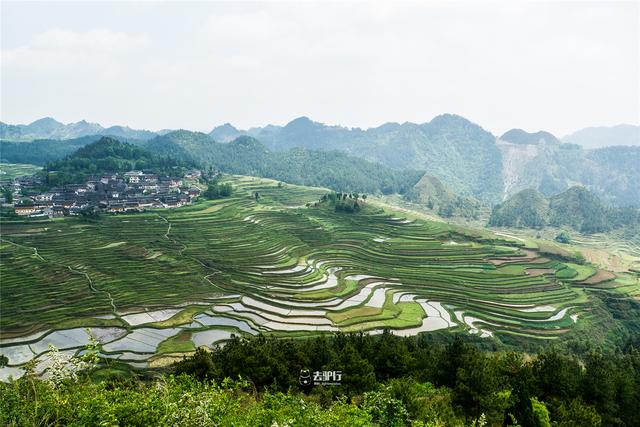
point(167, 281)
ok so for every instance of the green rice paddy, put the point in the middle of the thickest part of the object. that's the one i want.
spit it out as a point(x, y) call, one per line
point(168, 281)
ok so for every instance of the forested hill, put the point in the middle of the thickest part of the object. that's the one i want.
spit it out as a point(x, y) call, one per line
point(247, 156)
point(469, 159)
point(449, 147)
point(41, 151)
point(437, 196)
point(109, 155)
point(525, 209)
point(577, 208)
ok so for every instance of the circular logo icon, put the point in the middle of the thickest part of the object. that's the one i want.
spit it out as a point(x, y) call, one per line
point(305, 377)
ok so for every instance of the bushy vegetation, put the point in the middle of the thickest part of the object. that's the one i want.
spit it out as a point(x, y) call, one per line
point(343, 202)
point(387, 381)
point(563, 237)
point(216, 189)
point(108, 155)
point(185, 400)
point(580, 209)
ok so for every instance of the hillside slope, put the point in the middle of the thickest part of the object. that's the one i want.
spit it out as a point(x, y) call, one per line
point(449, 147)
point(527, 209)
point(549, 166)
point(576, 207)
point(247, 156)
point(435, 195)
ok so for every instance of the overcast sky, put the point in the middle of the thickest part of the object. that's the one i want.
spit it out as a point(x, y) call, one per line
point(558, 66)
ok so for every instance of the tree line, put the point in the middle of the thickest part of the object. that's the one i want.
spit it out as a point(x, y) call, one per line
point(452, 383)
point(427, 380)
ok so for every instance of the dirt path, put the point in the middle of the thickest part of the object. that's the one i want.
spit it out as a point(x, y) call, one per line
point(86, 275)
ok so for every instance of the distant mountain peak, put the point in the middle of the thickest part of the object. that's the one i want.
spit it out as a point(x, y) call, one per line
point(519, 136)
point(246, 140)
point(449, 119)
point(302, 123)
point(225, 133)
point(225, 127)
point(228, 125)
point(44, 125)
point(47, 121)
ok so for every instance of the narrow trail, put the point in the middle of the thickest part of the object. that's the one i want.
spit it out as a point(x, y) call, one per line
point(35, 250)
point(166, 235)
point(184, 247)
point(93, 288)
point(71, 269)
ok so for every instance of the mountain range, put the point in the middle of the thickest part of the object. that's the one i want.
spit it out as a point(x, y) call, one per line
point(470, 160)
point(473, 163)
point(605, 136)
point(48, 128)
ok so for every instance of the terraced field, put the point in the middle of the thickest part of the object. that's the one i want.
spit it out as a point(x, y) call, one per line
point(9, 171)
point(152, 286)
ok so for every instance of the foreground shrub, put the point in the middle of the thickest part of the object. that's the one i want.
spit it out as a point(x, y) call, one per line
point(168, 401)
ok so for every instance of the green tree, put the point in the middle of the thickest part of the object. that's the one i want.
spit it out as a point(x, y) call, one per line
point(563, 237)
point(578, 414)
point(540, 414)
point(358, 374)
point(8, 194)
point(385, 410)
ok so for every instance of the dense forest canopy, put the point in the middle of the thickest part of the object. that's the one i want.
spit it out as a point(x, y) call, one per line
point(41, 151)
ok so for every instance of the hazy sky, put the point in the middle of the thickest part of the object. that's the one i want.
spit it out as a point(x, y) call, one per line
point(558, 66)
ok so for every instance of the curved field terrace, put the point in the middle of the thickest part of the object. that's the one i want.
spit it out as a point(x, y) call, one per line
point(156, 285)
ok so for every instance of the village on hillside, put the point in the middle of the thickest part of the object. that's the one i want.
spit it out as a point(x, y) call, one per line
point(132, 191)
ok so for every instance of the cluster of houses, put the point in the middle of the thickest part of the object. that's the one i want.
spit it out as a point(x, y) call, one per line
point(129, 192)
